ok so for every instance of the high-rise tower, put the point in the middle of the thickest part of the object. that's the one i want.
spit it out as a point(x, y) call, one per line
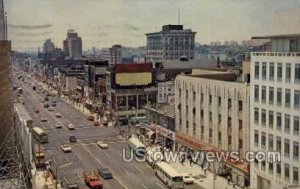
point(2, 22)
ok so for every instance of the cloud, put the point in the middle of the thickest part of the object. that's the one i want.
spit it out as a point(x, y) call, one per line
point(131, 27)
point(27, 34)
point(30, 26)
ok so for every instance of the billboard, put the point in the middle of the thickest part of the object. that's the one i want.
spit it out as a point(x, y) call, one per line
point(131, 79)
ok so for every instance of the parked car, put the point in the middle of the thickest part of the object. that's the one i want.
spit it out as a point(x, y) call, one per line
point(37, 111)
point(71, 126)
point(46, 105)
point(187, 179)
point(102, 145)
point(51, 109)
point(72, 139)
point(66, 148)
point(105, 173)
point(96, 123)
point(91, 118)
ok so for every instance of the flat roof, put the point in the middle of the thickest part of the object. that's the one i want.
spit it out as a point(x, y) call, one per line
point(277, 36)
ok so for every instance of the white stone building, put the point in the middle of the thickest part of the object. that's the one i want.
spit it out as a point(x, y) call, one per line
point(275, 112)
point(213, 114)
point(113, 54)
point(166, 91)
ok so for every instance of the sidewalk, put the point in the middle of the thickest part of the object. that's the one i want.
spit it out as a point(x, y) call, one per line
point(40, 180)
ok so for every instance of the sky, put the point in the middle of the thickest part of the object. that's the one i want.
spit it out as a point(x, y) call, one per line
point(102, 23)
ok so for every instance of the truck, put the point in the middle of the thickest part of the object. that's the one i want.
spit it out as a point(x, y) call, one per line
point(70, 182)
point(93, 180)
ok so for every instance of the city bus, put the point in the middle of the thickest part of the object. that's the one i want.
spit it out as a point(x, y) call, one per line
point(169, 175)
point(137, 119)
point(40, 135)
point(137, 146)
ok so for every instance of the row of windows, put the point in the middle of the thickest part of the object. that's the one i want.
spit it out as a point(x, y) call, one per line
point(280, 97)
point(270, 119)
point(272, 143)
point(279, 71)
point(287, 168)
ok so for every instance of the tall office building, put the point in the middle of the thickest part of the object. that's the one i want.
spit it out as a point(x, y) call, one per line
point(72, 45)
point(171, 43)
point(2, 22)
point(275, 112)
point(113, 54)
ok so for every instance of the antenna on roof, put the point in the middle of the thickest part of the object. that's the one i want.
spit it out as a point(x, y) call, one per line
point(178, 16)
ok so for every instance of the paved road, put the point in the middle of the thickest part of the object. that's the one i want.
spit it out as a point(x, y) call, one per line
point(86, 155)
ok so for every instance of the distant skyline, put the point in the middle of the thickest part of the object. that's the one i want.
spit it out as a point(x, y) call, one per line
point(102, 23)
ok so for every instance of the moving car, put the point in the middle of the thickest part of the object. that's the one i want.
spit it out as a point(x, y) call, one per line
point(105, 173)
point(51, 109)
point(66, 148)
point(44, 119)
point(46, 105)
point(71, 126)
point(37, 111)
point(102, 145)
point(187, 179)
point(72, 139)
point(58, 115)
point(58, 125)
point(96, 123)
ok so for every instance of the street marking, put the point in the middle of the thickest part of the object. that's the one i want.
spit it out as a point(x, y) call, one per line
point(138, 169)
point(159, 185)
point(144, 186)
point(127, 171)
point(149, 166)
point(123, 185)
point(80, 177)
point(117, 152)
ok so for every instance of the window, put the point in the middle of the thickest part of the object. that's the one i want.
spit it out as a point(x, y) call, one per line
point(287, 123)
point(271, 95)
point(240, 105)
point(220, 136)
point(210, 99)
point(240, 125)
point(256, 115)
point(256, 138)
point(263, 140)
point(256, 71)
point(278, 121)
point(286, 147)
point(271, 119)
point(286, 171)
point(271, 73)
point(194, 95)
point(210, 116)
point(288, 73)
point(186, 94)
point(297, 99)
point(271, 168)
point(219, 101)
point(229, 121)
point(271, 145)
point(279, 97)
point(296, 125)
point(278, 169)
point(296, 150)
point(240, 143)
point(210, 132)
point(202, 129)
point(264, 70)
point(229, 103)
point(279, 71)
point(295, 175)
point(201, 99)
point(263, 94)
point(278, 144)
point(287, 98)
point(297, 73)
point(202, 113)
point(263, 117)
point(256, 93)
point(219, 118)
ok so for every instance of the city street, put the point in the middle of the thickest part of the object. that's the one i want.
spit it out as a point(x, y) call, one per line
point(86, 155)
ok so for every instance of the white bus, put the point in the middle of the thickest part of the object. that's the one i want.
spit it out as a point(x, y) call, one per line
point(137, 146)
point(40, 135)
point(169, 175)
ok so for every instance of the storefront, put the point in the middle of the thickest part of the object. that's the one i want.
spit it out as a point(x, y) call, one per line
point(163, 136)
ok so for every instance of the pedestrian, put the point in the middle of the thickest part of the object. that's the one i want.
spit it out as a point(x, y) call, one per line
point(182, 160)
point(191, 162)
point(228, 179)
point(204, 169)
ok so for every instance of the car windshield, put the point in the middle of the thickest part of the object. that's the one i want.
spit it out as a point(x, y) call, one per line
point(177, 179)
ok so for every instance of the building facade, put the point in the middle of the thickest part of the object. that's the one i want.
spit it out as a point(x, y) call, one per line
point(113, 54)
point(275, 113)
point(165, 92)
point(2, 22)
point(6, 115)
point(171, 43)
point(213, 115)
point(48, 46)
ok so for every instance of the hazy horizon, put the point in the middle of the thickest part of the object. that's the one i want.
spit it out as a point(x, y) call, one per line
point(102, 23)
